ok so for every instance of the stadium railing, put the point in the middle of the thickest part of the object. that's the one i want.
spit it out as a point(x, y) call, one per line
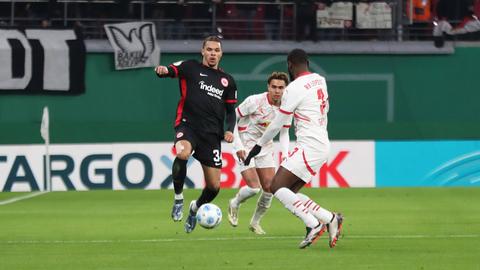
point(236, 20)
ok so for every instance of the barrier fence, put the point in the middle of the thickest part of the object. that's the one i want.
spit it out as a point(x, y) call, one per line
point(277, 20)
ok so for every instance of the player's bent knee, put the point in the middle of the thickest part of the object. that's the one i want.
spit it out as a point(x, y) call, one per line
point(213, 185)
point(254, 185)
point(183, 149)
point(183, 156)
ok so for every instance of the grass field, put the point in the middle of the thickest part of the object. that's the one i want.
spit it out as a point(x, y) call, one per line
point(427, 228)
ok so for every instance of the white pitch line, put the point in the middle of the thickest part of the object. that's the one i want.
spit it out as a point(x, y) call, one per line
point(19, 198)
point(165, 240)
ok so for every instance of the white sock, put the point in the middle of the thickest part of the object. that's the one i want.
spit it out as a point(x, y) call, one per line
point(295, 205)
point(179, 196)
point(243, 194)
point(264, 202)
point(320, 213)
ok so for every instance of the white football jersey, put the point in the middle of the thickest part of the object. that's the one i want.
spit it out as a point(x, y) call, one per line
point(256, 113)
point(306, 98)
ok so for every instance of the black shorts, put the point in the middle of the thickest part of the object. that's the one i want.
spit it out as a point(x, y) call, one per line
point(207, 147)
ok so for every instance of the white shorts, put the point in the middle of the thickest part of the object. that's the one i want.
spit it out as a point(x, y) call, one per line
point(263, 161)
point(304, 163)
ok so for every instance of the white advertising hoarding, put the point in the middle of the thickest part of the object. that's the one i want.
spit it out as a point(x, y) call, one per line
point(122, 166)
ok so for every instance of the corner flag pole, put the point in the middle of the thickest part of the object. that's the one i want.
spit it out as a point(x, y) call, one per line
point(45, 132)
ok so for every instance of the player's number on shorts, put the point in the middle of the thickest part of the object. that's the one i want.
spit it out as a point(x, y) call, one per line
point(216, 155)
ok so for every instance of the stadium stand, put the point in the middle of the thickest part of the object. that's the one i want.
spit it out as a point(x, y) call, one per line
point(389, 20)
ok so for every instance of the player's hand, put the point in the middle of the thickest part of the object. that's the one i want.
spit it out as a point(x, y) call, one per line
point(161, 70)
point(255, 151)
point(228, 136)
point(242, 154)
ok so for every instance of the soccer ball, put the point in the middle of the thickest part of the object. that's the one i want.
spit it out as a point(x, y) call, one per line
point(209, 216)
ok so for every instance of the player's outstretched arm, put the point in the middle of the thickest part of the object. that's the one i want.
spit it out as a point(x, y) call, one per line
point(269, 134)
point(273, 129)
point(255, 151)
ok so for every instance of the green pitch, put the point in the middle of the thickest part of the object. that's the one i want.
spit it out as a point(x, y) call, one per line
point(434, 228)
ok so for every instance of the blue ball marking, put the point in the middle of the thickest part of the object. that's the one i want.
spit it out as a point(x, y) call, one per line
point(210, 220)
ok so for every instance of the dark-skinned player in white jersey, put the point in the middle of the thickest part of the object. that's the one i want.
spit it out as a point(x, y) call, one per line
point(306, 98)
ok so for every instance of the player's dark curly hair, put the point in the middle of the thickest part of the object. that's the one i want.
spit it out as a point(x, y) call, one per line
point(298, 57)
point(278, 76)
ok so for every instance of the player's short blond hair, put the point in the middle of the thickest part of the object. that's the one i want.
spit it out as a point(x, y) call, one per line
point(278, 76)
point(211, 38)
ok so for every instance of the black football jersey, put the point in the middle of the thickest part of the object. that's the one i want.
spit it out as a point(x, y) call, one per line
point(204, 91)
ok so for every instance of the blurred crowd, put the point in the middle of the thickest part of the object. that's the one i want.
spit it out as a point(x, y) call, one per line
point(183, 19)
point(457, 12)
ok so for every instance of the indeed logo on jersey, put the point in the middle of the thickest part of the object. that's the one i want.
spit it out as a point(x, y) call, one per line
point(211, 90)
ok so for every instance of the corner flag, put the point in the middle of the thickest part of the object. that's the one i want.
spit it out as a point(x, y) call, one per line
point(45, 126)
point(45, 132)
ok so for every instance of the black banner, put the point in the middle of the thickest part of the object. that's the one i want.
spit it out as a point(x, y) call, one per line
point(42, 61)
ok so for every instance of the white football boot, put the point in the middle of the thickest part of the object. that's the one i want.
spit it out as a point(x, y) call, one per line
point(256, 228)
point(335, 229)
point(232, 214)
point(312, 235)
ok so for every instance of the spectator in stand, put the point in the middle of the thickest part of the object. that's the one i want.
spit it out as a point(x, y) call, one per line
point(227, 18)
point(272, 20)
point(122, 9)
point(203, 13)
point(456, 19)
point(419, 12)
point(248, 13)
point(476, 8)
point(306, 20)
point(453, 11)
point(176, 29)
point(51, 12)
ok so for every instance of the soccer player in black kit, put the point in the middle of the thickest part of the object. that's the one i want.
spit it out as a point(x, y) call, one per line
point(208, 97)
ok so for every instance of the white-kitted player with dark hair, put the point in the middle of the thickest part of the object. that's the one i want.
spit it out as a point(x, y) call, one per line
point(306, 98)
point(254, 115)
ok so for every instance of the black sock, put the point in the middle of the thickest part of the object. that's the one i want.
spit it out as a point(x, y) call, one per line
point(207, 196)
point(179, 172)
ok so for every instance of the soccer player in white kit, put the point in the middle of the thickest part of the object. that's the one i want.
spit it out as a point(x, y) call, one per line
point(254, 115)
point(306, 98)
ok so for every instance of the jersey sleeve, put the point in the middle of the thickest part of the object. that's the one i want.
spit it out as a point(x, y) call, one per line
point(179, 69)
point(237, 141)
point(290, 100)
point(231, 95)
point(247, 107)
